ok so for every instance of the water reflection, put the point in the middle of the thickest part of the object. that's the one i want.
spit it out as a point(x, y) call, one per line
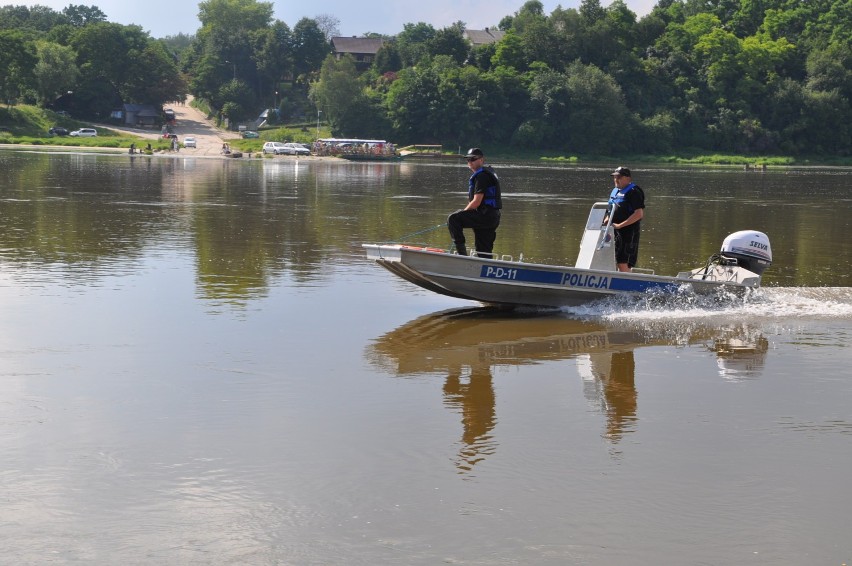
point(609, 383)
point(741, 352)
point(466, 345)
point(473, 397)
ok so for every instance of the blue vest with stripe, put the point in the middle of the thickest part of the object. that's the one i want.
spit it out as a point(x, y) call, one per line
point(492, 196)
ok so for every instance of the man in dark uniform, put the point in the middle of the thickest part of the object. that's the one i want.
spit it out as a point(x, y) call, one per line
point(628, 199)
point(482, 212)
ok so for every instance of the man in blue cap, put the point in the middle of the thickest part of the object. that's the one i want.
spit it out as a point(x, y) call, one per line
point(482, 212)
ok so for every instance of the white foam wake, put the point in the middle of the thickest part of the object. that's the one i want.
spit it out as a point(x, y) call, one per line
point(765, 303)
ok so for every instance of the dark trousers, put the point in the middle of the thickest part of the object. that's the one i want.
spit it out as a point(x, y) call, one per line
point(627, 245)
point(484, 222)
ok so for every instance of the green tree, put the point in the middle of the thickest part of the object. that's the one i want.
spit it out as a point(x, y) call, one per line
point(273, 54)
point(310, 48)
point(510, 53)
point(177, 44)
point(56, 71)
point(154, 78)
point(717, 53)
point(232, 97)
point(572, 106)
point(39, 19)
point(123, 64)
point(531, 11)
point(825, 123)
point(231, 47)
point(337, 92)
point(106, 51)
point(413, 42)
point(450, 41)
point(351, 109)
point(226, 38)
point(441, 101)
point(235, 17)
point(410, 103)
point(388, 58)
point(831, 68)
point(17, 60)
point(79, 15)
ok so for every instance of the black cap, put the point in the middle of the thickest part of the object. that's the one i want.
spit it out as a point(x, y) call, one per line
point(623, 171)
point(474, 152)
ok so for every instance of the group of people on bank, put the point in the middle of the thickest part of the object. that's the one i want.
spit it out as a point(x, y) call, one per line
point(483, 210)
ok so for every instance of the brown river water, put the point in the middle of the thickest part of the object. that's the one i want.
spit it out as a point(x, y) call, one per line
point(199, 366)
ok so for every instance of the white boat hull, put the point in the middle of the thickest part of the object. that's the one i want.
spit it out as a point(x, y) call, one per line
point(506, 282)
point(503, 281)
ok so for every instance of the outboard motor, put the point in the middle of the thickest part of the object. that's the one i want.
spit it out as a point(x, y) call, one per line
point(750, 248)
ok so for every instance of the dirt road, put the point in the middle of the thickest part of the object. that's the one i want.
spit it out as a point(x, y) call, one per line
point(190, 122)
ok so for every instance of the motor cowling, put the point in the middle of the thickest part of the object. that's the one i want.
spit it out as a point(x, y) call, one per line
point(750, 248)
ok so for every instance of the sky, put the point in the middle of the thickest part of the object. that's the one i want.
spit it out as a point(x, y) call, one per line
point(357, 17)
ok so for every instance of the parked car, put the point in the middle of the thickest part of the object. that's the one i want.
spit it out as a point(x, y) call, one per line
point(293, 148)
point(84, 133)
point(275, 148)
point(57, 131)
point(189, 141)
point(169, 136)
point(250, 134)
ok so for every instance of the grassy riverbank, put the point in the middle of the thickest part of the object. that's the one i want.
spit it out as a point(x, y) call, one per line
point(29, 125)
point(687, 157)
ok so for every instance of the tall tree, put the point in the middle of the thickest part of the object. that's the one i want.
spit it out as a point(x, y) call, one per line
point(337, 92)
point(136, 67)
point(56, 71)
point(388, 58)
point(310, 47)
point(450, 41)
point(273, 53)
point(37, 18)
point(79, 15)
point(235, 16)
point(413, 42)
point(17, 59)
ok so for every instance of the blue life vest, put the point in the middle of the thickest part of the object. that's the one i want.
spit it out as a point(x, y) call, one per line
point(492, 196)
point(619, 197)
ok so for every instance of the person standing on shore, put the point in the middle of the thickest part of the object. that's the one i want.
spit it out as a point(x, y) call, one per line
point(627, 207)
point(482, 212)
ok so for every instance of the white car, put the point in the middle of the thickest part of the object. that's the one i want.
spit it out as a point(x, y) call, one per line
point(189, 141)
point(295, 149)
point(84, 133)
point(275, 148)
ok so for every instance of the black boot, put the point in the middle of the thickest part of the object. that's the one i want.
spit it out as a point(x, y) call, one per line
point(460, 249)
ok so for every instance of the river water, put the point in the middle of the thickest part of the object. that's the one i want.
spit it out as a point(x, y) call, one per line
point(199, 366)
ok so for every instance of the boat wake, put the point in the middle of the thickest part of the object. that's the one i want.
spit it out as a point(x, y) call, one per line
point(765, 303)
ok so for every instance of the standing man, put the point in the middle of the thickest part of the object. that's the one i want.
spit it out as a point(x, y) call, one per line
point(482, 212)
point(627, 207)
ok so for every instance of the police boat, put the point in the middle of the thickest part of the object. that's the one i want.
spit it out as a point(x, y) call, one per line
point(503, 281)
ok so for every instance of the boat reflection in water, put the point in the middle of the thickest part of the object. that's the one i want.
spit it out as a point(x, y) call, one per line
point(740, 352)
point(467, 344)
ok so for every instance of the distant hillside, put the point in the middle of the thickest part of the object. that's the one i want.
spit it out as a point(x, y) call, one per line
point(32, 121)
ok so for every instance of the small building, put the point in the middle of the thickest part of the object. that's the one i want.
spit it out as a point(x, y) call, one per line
point(139, 114)
point(362, 49)
point(478, 37)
